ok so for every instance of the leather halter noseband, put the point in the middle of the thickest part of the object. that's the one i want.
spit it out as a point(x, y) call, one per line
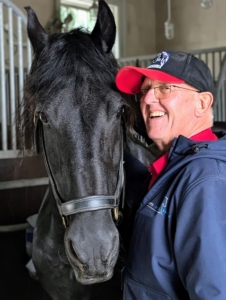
point(85, 204)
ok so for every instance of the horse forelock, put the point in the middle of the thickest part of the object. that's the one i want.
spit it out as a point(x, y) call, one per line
point(73, 55)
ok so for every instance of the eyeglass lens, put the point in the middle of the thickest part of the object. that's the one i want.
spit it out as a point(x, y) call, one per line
point(160, 92)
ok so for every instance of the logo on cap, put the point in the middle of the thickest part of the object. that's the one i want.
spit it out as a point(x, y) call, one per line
point(159, 61)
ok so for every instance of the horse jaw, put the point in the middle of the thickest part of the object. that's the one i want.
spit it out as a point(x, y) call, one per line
point(92, 253)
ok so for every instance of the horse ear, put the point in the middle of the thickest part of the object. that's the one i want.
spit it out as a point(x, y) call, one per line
point(36, 32)
point(105, 28)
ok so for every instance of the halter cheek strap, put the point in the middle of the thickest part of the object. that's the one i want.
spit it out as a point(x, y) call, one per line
point(85, 204)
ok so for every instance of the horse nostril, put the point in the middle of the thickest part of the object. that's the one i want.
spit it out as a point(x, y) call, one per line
point(71, 250)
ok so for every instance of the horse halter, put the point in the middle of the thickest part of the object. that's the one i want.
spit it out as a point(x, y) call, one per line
point(85, 204)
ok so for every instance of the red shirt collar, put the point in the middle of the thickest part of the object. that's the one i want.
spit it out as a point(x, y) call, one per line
point(158, 165)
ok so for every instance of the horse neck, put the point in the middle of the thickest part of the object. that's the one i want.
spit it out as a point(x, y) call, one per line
point(146, 154)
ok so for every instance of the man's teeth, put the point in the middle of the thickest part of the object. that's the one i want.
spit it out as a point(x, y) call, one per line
point(157, 114)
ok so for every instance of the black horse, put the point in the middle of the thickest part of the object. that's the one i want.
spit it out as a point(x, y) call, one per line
point(75, 112)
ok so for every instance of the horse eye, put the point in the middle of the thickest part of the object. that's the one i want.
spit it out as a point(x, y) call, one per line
point(120, 112)
point(43, 118)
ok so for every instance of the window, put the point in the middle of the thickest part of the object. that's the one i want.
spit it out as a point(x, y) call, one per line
point(75, 13)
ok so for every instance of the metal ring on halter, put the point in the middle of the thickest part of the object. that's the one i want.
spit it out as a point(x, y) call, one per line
point(116, 213)
point(64, 221)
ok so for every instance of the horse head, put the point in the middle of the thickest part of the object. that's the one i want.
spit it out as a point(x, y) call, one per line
point(71, 96)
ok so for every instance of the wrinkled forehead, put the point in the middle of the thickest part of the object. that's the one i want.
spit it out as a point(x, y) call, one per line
point(154, 83)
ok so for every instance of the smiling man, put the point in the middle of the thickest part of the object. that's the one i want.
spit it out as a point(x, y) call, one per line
point(179, 239)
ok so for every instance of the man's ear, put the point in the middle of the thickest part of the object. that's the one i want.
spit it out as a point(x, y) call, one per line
point(203, 103)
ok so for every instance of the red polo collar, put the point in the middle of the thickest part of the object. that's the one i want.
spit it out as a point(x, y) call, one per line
point(158, 165)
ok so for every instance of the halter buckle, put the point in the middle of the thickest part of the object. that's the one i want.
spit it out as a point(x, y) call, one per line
point(64, 221)
point(116, 212)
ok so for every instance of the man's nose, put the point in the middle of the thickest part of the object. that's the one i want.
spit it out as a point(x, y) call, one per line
point(150, 97)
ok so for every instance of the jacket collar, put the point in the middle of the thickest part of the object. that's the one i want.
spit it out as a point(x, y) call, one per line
point(181, 152)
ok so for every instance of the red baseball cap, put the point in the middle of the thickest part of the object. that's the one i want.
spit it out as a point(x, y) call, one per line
point(170, 66)
point(129, 78)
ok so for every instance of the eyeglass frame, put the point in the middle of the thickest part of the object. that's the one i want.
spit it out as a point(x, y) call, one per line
point(168, 86)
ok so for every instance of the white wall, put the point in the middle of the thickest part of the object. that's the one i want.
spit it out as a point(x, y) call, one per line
point(140, 27)
point(43, 8)
point(195, 27)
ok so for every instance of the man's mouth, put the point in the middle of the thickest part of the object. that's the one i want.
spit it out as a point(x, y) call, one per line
point(156, 114)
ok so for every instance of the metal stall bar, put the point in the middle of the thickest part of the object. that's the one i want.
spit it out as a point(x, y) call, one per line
point(213, 66)
point(29, 56)
point(220, 58)
point(3, 83)
point(219, 103)
point(223, 102)
point(12, 85)
point(20, 68)
point(12, 79)
point(206, 57)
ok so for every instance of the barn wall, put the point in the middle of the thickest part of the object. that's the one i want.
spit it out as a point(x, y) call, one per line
point(141, 29)
point(19, 203)
point(43, 8)
point(195, 27)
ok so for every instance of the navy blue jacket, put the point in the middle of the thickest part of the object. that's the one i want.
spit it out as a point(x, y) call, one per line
point(178, 245)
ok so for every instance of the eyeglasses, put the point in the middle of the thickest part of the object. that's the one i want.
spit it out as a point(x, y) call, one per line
point(161, 92)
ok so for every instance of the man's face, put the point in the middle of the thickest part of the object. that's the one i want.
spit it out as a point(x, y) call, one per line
point(167, 118)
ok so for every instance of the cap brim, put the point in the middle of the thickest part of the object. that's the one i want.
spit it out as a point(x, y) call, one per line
point(129, 79)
